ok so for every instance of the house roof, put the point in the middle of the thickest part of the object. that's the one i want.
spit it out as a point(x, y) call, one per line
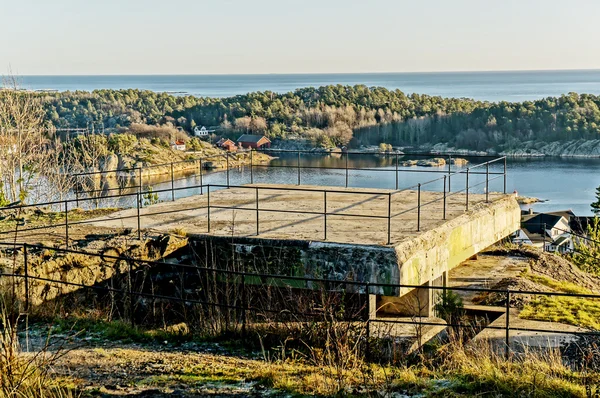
point(535, 222)
point(252, 138)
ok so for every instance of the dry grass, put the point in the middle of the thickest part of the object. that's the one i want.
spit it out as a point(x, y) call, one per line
point(25, 374)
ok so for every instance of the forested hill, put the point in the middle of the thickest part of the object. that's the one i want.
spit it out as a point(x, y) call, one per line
point(333, 115)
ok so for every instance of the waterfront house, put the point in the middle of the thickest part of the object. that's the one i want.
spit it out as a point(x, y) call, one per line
point(253, 141)
point(227, 144)
point(548, 231)
point(178, 145)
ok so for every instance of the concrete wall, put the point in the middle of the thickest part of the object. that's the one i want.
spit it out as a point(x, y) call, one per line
point(414, 262)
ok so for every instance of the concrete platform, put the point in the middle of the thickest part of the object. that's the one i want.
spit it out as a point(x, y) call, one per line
point(356, 248)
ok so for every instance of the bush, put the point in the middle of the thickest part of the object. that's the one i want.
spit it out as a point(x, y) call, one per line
point(122, 144)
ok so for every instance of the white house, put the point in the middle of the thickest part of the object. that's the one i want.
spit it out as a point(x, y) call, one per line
point(202, 131)
point(550, 231)
point(178, 145)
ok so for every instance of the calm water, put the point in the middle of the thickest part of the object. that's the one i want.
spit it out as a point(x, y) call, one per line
point(564, 183)
point(491, 86)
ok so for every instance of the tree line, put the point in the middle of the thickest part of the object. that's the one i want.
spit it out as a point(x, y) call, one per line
point(335, 115)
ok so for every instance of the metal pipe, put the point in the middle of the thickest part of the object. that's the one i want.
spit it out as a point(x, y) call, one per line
point(172, 183)
point(467, 190)
point(419, 208)
point(325, 215)
point(257, 215)
point(444, 197)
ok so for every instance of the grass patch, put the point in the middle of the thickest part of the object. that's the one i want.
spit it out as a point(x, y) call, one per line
point(117, 331)
point(574, 311)
point(570, 310)
point(49, 219)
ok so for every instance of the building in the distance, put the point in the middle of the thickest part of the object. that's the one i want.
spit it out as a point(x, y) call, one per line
point(202, 131)
point(178, 145)
point(548, 231)
point(227, 144)
point(253, 141)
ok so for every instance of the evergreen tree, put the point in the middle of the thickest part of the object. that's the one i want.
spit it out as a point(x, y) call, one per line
point(596, 204)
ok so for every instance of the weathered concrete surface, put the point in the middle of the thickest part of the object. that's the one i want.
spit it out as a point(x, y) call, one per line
point(356, 248)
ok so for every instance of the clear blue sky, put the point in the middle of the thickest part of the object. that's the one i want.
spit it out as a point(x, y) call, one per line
point(296, 36)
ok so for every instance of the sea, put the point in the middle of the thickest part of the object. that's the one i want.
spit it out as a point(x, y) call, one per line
point(562, 183)
point(512, 86)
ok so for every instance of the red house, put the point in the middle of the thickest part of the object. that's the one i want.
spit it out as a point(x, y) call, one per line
point(227, 145)
point(254, 141)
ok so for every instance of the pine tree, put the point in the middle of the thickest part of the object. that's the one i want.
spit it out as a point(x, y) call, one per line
point(596, 204)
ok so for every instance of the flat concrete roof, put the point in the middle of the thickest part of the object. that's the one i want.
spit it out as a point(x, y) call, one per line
point(277, 220)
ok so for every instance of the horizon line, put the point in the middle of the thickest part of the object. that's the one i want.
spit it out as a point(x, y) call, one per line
point(314, 73)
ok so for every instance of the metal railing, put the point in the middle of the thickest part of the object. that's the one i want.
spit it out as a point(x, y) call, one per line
point(251, 308)
point(137, 198)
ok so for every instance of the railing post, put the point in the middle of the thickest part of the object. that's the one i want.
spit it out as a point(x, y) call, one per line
point(251, 166)
point(208, 205)
point(139, 223)
point(257, 215)
point(26, 270)
point(449, 172)
point(244, 304)
point(444, 197)
point(67, 223)
point(507, 325)
point(487, 182)
point(172, 183)
point(201, 177)
point(368, 331)
point(227, 165)
point(325, 215)
point(140, 180)
point(419, 207)
point(76, 193)
point(389, 218)
point(505, 175)
point(467, 190)
point(298, 167)
point(396, 171)
point(347, 154)
point(130, 292)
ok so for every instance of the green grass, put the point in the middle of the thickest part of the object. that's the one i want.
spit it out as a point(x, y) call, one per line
point(52, 218)
point(574, 311)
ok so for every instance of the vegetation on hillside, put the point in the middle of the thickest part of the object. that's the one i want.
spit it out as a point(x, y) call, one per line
point(333, 115)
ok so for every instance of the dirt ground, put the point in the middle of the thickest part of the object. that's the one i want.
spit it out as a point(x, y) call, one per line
point(484, 272)
point(233, 212)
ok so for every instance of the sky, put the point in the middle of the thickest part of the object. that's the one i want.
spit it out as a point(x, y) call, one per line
point(65, 37)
